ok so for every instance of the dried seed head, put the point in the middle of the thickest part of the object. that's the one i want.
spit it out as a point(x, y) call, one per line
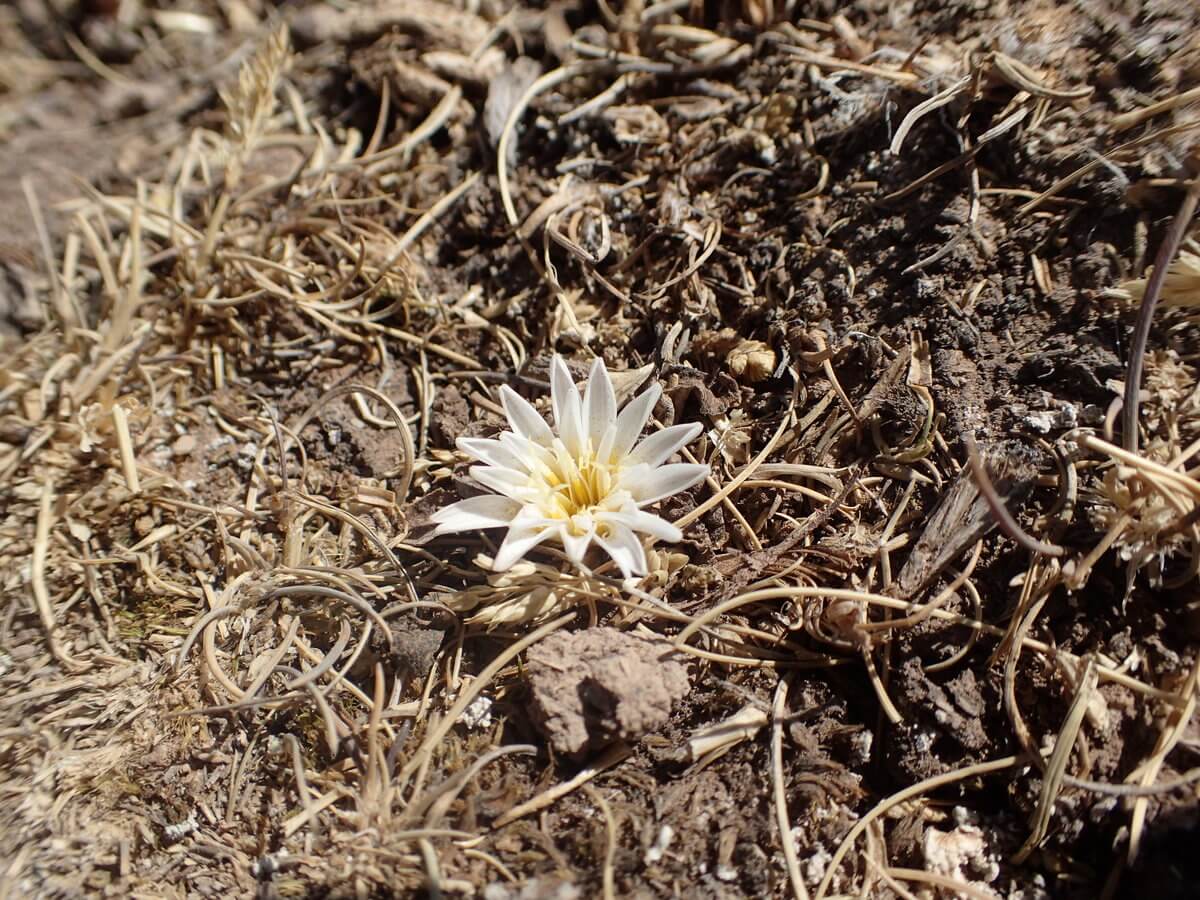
point(1181, 287)
point(751, 361)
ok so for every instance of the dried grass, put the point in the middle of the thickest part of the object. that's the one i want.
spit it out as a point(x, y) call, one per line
point(270, 290)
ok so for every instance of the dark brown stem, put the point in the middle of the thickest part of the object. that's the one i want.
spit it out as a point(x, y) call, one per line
point(1141, 331)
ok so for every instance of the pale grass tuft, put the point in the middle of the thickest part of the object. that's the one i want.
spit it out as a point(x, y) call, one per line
point(527, 594)
point(1146, 500)
point(1181, 287)
point(250, 104)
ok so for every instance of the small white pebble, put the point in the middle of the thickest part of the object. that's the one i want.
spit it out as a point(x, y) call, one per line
point(180, 830)
point(816, 865)
point(665, 836)
point(478, 713)
point(862, 745)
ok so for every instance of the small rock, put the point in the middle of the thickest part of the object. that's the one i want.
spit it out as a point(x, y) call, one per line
point(963, 854)
point(540, 888)
point(655, 853)
point(478, 713)
point(727, 873)
point(184, 445)
point(600, 685)
point(415, 644)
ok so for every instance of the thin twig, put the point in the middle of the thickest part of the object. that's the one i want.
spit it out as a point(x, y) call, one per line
point(782, 821)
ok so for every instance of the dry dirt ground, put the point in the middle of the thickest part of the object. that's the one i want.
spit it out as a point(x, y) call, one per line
point(261, 265)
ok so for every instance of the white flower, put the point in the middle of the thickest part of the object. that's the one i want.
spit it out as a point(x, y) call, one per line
point(585, 483)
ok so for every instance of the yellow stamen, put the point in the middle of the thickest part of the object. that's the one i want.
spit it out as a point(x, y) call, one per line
point(575, 486)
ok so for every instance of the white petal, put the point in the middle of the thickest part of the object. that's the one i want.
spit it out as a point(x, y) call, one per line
point(517, 543)
point(529, 452)
point(568, 411)
point(649, 485)
point(599, 402)
point(508, 482)
point(625, 549)
point(629, 425)
point(576, 546)
point(492, 452)
point(662, 445)
point(476, 513)
point(647, 523)
point(523, 418)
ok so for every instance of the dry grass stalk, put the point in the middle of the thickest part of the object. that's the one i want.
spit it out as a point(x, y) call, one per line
point(916, 790)
point(313, 276)
point(607, 760)
point(1056, 765)
point(1141, 332)
point(782, 819)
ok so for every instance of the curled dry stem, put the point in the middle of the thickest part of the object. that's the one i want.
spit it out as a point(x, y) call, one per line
point(1141, 330)
point(996, 504)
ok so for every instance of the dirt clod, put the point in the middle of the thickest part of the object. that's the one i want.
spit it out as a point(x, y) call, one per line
point(600, 685)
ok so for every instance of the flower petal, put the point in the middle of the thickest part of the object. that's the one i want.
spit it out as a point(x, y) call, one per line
point(492, 452)
point(568, 411)
point(649, 485)
point(475, 514)
point(625, 549)
point(523, 418)
point(529, 452)
point(518, 542)
point(662, 445)
point(599, 402)
point(629, 425)
point(647, 523)
point(575, 546)
point(508, 482)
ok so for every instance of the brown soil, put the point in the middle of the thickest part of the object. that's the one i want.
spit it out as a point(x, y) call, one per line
point(240, 244)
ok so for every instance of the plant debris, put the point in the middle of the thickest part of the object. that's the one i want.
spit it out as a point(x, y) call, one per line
point(930, 627)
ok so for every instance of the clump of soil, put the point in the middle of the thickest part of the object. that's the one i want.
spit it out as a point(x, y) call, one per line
point(593, 687)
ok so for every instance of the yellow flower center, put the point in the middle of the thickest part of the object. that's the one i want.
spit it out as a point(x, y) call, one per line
point(575, 487)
